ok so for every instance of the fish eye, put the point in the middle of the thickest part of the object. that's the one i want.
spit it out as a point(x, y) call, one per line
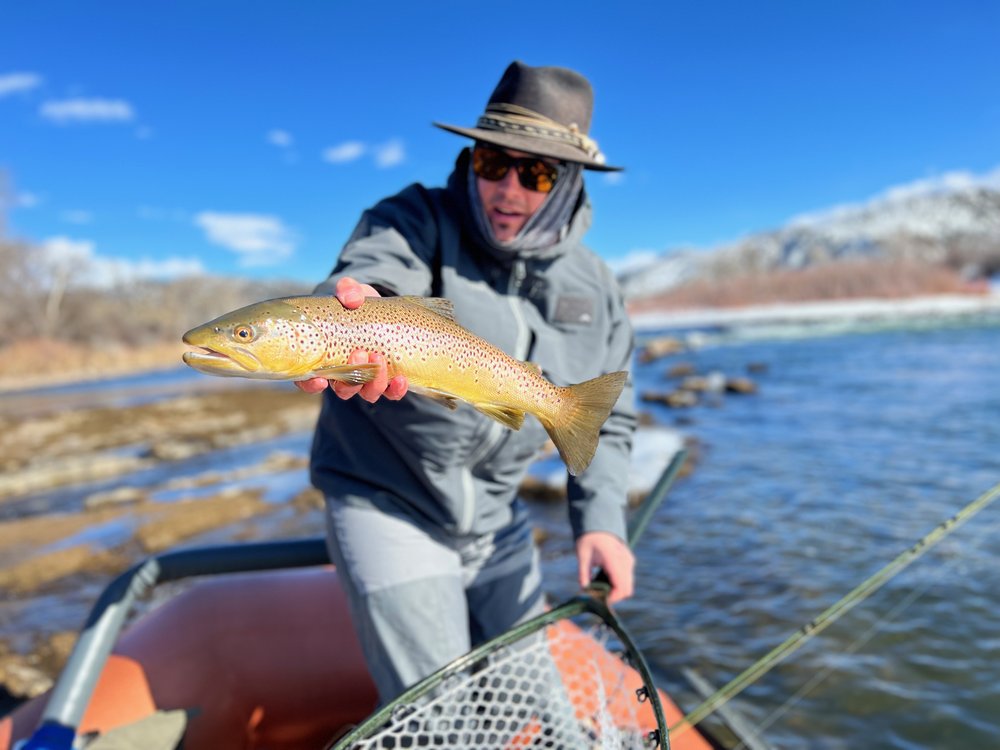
point(243, 333)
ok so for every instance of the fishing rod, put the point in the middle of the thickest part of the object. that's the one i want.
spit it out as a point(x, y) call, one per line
point(832, 613)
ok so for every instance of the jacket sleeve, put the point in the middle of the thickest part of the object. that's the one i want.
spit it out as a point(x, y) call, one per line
point(392, 247)
point(598, 496)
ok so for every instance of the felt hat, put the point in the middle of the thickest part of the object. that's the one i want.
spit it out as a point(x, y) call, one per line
point(540, 110)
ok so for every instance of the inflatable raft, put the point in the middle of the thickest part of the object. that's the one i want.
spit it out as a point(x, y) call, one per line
point(257, 653)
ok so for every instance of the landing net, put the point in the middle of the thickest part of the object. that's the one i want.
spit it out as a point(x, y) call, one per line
point(554, 682)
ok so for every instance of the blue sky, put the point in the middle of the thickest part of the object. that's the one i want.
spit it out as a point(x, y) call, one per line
point(245, 138)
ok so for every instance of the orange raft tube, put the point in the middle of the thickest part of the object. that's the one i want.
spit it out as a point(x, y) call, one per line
point(259, 660)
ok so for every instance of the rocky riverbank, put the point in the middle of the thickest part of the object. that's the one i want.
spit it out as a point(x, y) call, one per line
point(88, 491)
point(100, 458)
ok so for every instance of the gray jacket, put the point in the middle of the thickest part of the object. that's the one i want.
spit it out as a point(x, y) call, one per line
point(560, 309)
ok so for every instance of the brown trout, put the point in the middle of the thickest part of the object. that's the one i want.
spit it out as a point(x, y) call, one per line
point(297, 338)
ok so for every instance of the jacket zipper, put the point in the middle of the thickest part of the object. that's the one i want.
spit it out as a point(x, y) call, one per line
point(495, 430)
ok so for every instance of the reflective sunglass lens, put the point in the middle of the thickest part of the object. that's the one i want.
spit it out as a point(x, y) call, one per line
point(533, 173)
point(543, 176)
point(489, 164)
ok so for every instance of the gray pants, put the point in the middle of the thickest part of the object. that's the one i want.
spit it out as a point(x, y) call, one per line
point(420, 597)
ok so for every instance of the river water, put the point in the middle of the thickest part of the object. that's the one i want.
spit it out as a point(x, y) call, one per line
point(855, 446)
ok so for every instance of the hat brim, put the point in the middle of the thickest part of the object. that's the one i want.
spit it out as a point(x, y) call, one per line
point(528, 145)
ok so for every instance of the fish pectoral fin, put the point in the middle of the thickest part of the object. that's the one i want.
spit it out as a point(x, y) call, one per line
point(505, 415)
point(442, 397)
point(350, 374)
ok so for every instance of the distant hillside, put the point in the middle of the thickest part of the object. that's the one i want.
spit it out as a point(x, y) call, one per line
point(56, 301)
point(955, 229)
point(50, 335)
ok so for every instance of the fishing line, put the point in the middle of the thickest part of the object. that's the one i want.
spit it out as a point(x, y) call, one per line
point(891, 615)
point(817, 678)
point(834, 612)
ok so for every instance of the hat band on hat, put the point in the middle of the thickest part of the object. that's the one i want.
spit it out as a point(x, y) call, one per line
point(510, 118)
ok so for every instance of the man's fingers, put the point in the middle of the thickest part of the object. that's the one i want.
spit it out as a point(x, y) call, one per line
point(584, 567)
point(613, 556)
point(397, 388)
point(352, 294)
point(621, 588)
point(371, 391)
point(343, 390)
point(313, 385)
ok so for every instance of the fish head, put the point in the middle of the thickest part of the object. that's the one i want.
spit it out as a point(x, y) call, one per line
point(272, 340)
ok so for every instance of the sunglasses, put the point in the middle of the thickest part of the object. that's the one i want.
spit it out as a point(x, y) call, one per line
point(533, 172)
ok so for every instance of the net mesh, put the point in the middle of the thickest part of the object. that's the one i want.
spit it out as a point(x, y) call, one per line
point(560, 687)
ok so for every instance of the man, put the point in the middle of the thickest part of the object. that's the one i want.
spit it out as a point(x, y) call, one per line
point(432, 544)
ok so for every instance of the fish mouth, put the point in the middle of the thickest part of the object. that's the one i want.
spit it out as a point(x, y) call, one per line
point(214, 362)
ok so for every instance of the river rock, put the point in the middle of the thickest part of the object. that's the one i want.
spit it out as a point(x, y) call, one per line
point(57, 472)
point(741, 385)
point(653, 448)
point(681, 370)
point(117, 496)
point(21, 679)
point(713, 382)
point(679, 399)
point(660, 347)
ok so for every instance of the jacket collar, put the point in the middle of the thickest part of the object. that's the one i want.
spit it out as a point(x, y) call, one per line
point(458, 191)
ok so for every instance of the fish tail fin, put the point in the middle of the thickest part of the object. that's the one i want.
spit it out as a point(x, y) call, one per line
point(576, 426)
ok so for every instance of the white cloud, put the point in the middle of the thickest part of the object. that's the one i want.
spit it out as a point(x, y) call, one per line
point(63, 250)
point(11, 83)
point(390, 154)
point(24, 199)
point(87, 110)
point(613, 178)
point(385, 155)
point(280, 138)
point(258, 239)
point(146, 268)
point(62, 254)
point(344, 152)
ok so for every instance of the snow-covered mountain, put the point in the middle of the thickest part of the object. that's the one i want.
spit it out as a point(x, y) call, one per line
point(953, 219)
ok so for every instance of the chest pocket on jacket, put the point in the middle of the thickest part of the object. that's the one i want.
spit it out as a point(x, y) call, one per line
point(573, 310)
point(573, 346)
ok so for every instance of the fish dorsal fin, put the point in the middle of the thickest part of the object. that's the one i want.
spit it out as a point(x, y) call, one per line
point(443, 307)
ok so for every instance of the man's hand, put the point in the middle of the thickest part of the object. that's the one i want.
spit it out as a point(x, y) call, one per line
point(600, 549)
point(352, 295)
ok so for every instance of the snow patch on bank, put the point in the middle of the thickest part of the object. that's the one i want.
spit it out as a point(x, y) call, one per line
point(842, 311)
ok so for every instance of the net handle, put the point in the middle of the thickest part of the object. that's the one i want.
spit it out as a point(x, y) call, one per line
point(593, 603)
point(576, 606)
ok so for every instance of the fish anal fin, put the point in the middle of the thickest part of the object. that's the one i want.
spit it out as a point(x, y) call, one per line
point(505, 415)
point(350, 374)
point(442, 397)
